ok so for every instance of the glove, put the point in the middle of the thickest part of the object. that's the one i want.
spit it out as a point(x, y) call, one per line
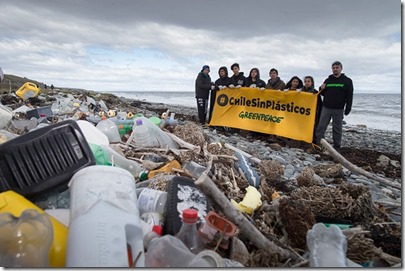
point(262, 88)
point(220, 86)
point(298, 90)
point(278, 89)
point(347, 112)
point(252, 86)
point(231, 86)
point(212, 87)
point(224, 87)
point(286, 90)
point(238, 86)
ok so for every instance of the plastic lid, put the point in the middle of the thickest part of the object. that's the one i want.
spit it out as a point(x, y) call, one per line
point(158, 229)
point(138, 122)
point(190, 215)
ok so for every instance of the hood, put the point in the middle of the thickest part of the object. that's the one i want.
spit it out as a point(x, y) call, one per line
point(225, 69)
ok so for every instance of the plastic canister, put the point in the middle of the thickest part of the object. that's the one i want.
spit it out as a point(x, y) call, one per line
point(28, 90)
point(141, 135)
point(152, 200)
point(15, 204)
point(105, 228)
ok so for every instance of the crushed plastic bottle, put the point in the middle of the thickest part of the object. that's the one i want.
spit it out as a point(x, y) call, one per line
point(327, 246)
point(25, 241)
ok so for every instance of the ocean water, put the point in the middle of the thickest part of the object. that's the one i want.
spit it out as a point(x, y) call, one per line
point(375, 110)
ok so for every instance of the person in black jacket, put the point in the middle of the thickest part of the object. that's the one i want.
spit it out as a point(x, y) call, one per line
point(337, 91)
point(295, 83)
point(254, 81)
point(238, 79)
point(309, 86)
point(202, 92)
point(221, 83)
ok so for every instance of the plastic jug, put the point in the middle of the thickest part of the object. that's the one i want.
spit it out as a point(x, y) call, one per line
point(105, 228)
point(142, 135)
point(28, 90)
point(16, 204)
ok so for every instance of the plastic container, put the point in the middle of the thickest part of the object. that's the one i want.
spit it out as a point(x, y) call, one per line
point(28, 90)
point(107, 156)
point(217, 228)
point(5, 116)
point(169, 251)
point(166, 168)
point(25, 240)
point(16, 204)
point(141, 135)
point(110, 129)
point(327, 246)
point(152, 200)
point(105, 228)
point(188, 233)
point(92, 134)
point(44, 160)
point(45, 111)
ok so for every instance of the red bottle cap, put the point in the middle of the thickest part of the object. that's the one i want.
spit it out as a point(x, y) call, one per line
point(158, 229)
point(190, 215)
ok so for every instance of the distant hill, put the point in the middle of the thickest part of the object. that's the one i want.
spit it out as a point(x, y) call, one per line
point(15, 82)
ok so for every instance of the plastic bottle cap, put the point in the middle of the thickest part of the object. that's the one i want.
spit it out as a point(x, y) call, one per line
point(190, 215)
point(158, 229)
point(143, 175)
point(138, 122)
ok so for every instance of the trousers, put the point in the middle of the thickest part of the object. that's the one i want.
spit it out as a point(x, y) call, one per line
point(202, 105)
point(337, 118)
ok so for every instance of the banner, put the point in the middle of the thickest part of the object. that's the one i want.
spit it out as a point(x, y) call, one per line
point(289, 114)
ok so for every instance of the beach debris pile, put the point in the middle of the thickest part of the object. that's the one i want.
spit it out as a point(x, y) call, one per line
point(261, 219)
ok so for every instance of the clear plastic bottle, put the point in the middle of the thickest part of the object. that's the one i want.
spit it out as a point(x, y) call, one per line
point(327, 246)
point(140, 135)
point(188, 233)
point(169, 251)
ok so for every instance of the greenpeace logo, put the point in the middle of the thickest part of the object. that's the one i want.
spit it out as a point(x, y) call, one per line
point(335, 85)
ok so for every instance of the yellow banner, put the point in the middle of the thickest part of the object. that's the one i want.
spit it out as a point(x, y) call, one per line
point(289, 114)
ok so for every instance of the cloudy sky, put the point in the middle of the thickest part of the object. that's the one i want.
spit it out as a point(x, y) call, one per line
point(155, 45)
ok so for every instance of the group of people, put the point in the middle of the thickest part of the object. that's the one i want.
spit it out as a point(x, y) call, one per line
point(336, 90)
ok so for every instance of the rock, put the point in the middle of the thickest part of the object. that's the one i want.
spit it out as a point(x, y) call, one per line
point(383, 160)
point(395, 163)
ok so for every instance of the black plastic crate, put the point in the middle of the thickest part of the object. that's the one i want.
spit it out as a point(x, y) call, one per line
point(45, 111)
point(44, 159)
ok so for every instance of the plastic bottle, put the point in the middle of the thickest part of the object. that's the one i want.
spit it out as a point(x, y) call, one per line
point(188, 233)
point(152, 200)
point(169, 251)
point(141, 135)
point(105, 228)
point(25, 241)
point(327, 246)
point(110, 129)
point(105, 155)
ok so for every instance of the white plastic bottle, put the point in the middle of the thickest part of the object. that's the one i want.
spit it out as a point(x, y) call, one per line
point(105, 228)
point(140, 135)
point(118, 160)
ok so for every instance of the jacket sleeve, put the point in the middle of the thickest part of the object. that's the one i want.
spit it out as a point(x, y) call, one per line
point(349, 96)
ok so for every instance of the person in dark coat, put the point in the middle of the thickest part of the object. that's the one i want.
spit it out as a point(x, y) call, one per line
point(309, 86)
point(254, 81)
point(295, 83)
point(275, 82)
point(221, 83)
point(202, 92)
point(238, 79)
point(337, 91)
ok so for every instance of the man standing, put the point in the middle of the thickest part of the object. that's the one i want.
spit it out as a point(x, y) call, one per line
point(275, 82)
point(202, 92)
point(337, 91)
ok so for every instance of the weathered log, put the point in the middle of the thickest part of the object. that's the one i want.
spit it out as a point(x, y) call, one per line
point(251, 157)
point(184, 144)
point(355, 169)
point(209, 188)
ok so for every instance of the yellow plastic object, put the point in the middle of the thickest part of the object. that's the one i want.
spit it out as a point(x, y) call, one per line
point(15, 204)
point(28, 90)
point(167, 168)
point(250, 202)
point(275, 195)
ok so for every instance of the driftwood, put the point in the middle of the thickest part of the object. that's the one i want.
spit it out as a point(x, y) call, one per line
point(355, 169)
point(251, 157)
point(184, 144)
point(209, 188)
